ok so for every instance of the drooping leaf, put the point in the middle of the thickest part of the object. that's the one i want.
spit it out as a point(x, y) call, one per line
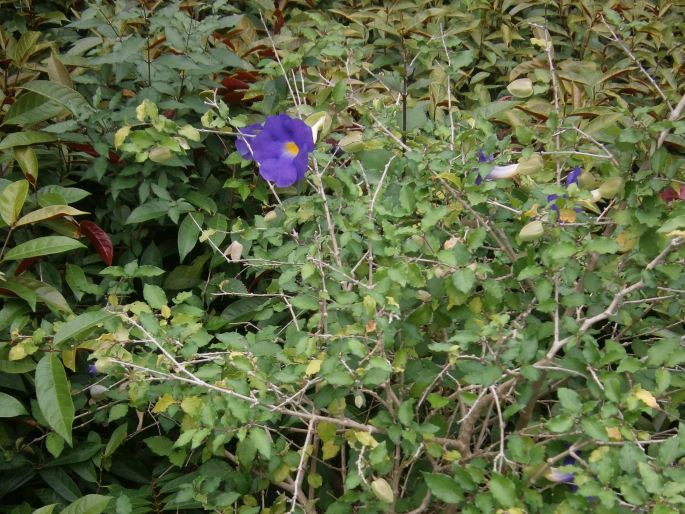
point(40, 246)
point(19, 289)
point(45, 293)
point(53, 392)
point(99, 239)
point(31, 109)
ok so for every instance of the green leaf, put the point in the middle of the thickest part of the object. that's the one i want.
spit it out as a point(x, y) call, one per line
point(602, 245)
point(89, 504)
point(26, 138)
point(59, 93)
point(650, 479)
point(464, 279)
point(23, 292)
point(261, 441)
point(45, 293)
point(305, 302)
point(672, 224)
point(47, 509)
point(47, 213)
point(60, 482)
point(503, 490)
point(406, 412)
point(149, 211)
point(570, 401)
point(432, 217)
point(47, 245)
point(12, 199)
point(444, 488)
point(118, 437)
point(31, 109)
point(154, 296)
point(10, 406)
point(188, 233)
point(80, 325)
point(53, 392)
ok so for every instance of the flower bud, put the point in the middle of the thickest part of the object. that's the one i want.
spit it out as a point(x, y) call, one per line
point(97, 391)
point(521, 88)
point(423, 295)
point(531, 165)
point(270, 216)
point(382, 490)
point(159, 154)
point(532, 231)
point(611, 187)
point(234, 251)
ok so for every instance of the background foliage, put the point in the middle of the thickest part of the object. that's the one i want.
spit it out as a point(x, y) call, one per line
point(386, 336)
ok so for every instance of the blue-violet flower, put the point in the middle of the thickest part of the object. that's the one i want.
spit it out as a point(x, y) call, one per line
point(281, 147)
point(497, 172)
point(571, 178)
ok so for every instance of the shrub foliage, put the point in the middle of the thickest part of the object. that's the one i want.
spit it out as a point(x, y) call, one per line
point(412, 328)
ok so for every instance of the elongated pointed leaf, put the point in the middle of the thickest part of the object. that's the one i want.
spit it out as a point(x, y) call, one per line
point(30, 109)
point(151, 210)
point(20, 51)
point(100, 240)
point(54, 395)
point(89, 504)
point(42, 246)
point(45, 293)
point(46, 509)
point(12, 199)
point(23, 292)
point(28, 137)
point(80, 325)
point(28, 162)
point(46, 213)
point(10, 406)
point(58, 72)
point(59, 93)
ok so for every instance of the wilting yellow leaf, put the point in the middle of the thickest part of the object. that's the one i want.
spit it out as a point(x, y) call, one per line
point(313, 367)
point(614, 433)
point(646, 397)
point(567, 215)
point(365, 438)
point(163, 404)
point(120, 136)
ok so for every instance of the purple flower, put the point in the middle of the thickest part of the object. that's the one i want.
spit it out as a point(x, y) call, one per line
point(507, 171)
point(572, 177)
point(92, 370)
point(243, 145)
point(558, 476)
point(281, 147)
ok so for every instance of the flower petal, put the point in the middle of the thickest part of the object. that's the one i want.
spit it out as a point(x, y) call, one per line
point(242, 145)
point(573, 175)
point(507, 171)
point(281, 171)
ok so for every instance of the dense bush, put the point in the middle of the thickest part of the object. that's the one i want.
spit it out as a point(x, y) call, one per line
point(472, 302)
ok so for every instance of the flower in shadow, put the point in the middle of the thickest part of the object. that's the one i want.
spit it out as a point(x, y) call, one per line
point(281, 148)
point(497, 172)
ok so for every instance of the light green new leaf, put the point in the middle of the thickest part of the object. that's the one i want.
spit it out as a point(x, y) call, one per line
point(80, 325)
point(47, 245)
point(54, 395)
point(12, 199)
point(444, 488)
point(48, 212)
point(59, 93)
point(26, 138)
point(10, 406)
point(154, 296)
point(28, 162)
point(89, 504)
point(47, 509)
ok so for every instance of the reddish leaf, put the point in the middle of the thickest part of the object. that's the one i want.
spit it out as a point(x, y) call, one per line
point(83, 147)
point(669, 194)
point(280, 20)
point(24, 265)
point(99, 239)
